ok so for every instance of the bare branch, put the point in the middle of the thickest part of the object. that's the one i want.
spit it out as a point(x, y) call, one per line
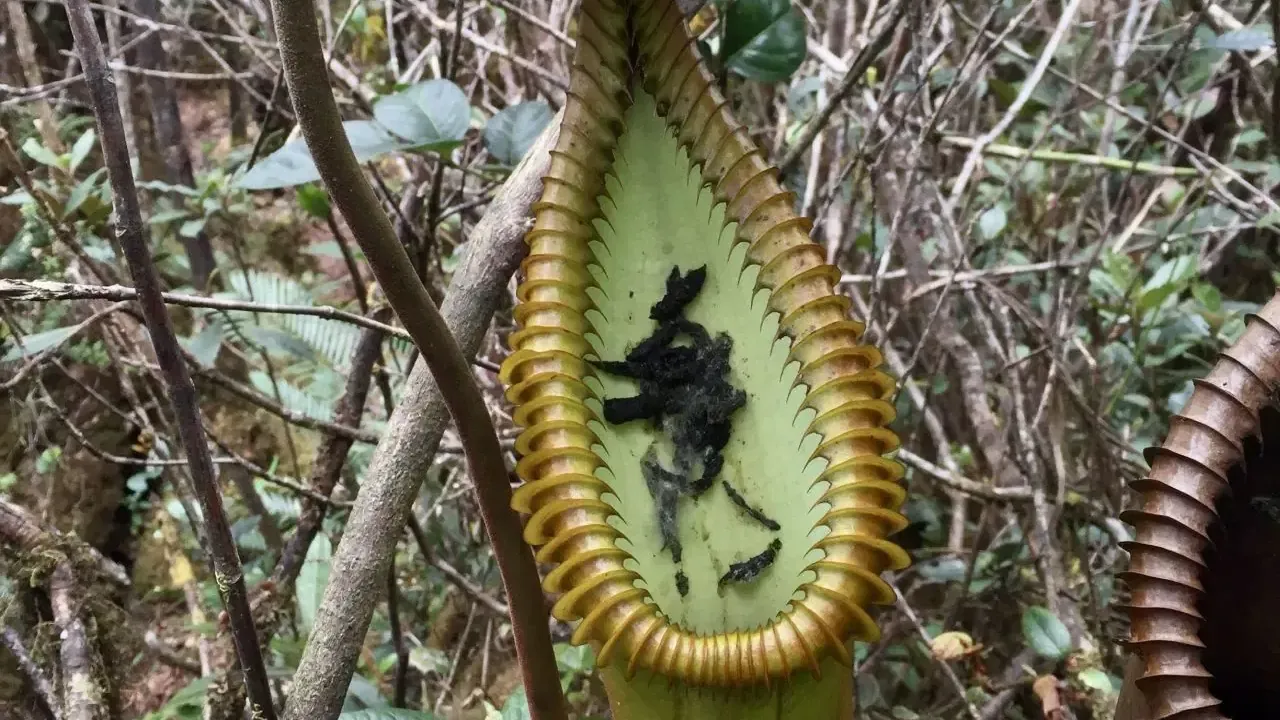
point(82, 695)
point(35, 676)
point(856, 72)
point(182, 392)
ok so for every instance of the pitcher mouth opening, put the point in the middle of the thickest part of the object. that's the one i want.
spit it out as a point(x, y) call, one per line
point(1204, 564)
point(1241, 602)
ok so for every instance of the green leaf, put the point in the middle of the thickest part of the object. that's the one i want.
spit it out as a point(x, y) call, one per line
point(205, 344)
point(1247, 39)
point(1099, 680)
point(992, 222)
point(1045, 633)
point(48, 460)
point(1250, 137)
point(511, 132)
point(278, 341)
point(191, 228)
point(363, 694)
point(36, 343)
point(329, 249)
point(168, 216)
point(433, 114)
point(1200, 104)
point(387, 714)
point(40, 153)
point(17, 197)
point(1208, 295)
point(764, 40)
point(164, 187)
point(429, 660)
point(314, 200)
point(292, 164)
point(1168, 279)
point(516, 707)
point(80, 150)
point(574, 659)
point(369, 139)
point(186, 703)
point(311, 581)
point(82, 191)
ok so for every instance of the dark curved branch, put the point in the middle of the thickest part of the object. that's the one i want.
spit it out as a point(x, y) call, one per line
point(343, 177)
point(182, 392)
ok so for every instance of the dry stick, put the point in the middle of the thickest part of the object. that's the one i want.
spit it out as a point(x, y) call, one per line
point(401, 685)
point(182, 392)
point(847, 86)
point(452, 574)
point(343, 177)
point(906, 609)
point(166, 122)
point(168, 655)
point(30, 67)
point(82, 695)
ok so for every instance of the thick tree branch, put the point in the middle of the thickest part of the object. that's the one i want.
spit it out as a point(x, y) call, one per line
point(327, 665)
point(182, 392)
point(20, 528)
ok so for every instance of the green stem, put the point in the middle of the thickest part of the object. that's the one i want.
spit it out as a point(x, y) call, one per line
point(1058, 156)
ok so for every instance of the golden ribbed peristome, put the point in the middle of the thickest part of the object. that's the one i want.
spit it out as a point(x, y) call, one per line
point(1176, 509)
point(561, 492)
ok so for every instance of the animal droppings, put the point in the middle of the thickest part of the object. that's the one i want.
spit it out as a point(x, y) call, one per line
point(749, 569)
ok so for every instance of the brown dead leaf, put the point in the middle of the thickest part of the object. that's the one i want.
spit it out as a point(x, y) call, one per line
point(1046, 688)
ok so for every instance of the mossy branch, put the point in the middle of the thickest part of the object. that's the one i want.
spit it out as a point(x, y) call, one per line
point(342, 175)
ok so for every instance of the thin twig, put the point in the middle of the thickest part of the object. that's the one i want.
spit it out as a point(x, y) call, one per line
point(46, 290)
point(856, 72)
point(35, 676)
point(1011, 113)
point(905, 608)
point(182, 392)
